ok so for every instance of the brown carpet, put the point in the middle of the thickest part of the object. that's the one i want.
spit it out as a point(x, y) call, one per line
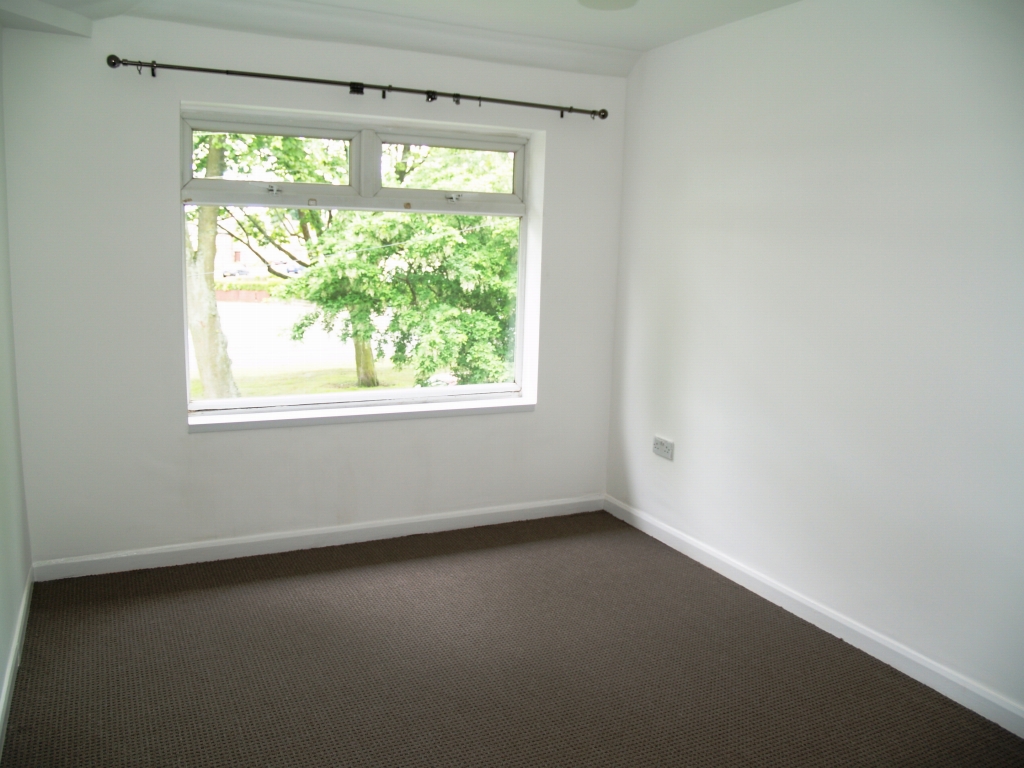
point(572, 641)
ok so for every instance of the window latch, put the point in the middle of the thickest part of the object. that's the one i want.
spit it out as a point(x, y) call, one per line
point(275, 189)
point(452, 197)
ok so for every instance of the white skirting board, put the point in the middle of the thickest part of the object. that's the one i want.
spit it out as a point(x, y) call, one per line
point(960, 688)
point(268, 543)
point(14, 660)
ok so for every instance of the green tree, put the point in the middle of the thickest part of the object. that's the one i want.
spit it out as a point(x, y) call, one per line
point(438, 289)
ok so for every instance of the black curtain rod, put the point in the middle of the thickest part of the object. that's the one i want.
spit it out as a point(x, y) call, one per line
point(353, 87)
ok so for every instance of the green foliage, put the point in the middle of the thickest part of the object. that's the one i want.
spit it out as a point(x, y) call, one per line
point(257, 157)
point(438, 290)
point(414, 166)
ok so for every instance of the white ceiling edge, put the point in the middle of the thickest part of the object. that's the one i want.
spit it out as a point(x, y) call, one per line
point(383, 31)
point(38, 16)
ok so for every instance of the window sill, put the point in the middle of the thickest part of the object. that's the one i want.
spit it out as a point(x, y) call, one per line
point(308, 416)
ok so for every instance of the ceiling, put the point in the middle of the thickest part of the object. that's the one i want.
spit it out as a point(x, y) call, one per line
point(561, 34)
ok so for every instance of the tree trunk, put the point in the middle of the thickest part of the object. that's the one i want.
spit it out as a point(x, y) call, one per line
point(208, 340)
point(366, 371)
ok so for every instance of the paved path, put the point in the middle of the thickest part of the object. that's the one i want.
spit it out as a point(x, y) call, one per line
point(259, 340)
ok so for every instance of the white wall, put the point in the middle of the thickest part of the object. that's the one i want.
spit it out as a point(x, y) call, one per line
point(14, 544)
point(96, 269)
point(821, 299)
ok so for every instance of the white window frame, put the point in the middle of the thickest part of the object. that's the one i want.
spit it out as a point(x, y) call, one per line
point(365, 192)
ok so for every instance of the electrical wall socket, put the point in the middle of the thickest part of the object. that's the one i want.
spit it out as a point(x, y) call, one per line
point(664, 448)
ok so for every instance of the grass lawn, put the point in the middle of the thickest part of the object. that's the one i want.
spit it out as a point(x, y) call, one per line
point(310, 382)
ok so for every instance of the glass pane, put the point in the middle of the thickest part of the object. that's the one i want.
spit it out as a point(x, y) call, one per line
point(254, 157)
point(415, 166)
point(285, 301)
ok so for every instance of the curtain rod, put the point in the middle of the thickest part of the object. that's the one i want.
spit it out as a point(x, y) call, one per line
point(354, 87)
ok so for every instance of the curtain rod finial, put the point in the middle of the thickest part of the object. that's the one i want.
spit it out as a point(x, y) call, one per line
point(113, 61)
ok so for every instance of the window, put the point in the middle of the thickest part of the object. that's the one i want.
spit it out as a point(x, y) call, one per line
point(335, 270)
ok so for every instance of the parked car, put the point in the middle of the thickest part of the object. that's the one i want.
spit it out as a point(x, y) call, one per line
point(294, 269)
point(235, 272)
